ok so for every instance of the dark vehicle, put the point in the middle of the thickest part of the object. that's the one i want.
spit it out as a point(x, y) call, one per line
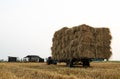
point(51, 61)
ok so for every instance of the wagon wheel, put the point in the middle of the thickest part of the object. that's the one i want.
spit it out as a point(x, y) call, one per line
point(86, 63)
point(69, 63)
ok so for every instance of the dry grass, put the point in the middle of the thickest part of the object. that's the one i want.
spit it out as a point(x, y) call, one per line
point(102, 70)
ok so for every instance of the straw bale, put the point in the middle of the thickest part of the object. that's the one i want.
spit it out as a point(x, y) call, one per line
point(81, 41)
point(103, 52)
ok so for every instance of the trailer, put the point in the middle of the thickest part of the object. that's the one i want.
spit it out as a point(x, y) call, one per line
point(85, 62)
point(80, 45)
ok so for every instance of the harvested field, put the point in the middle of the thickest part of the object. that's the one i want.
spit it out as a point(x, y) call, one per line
point(81, 41)
point(98, 70)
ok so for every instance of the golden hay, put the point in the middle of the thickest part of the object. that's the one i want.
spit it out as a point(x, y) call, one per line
point(81, 41)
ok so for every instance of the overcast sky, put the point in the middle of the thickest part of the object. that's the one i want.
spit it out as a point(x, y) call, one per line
point(27, 26)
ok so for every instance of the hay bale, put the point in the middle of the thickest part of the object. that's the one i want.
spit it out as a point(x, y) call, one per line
point(81, 41)
point(102, 34)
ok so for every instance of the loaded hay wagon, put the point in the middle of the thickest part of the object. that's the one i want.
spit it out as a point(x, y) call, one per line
point(81, 44)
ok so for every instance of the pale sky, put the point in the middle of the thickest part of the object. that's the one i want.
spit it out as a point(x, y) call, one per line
point(27, 26)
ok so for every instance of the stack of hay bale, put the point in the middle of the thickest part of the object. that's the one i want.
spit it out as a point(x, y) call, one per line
point(81, 41)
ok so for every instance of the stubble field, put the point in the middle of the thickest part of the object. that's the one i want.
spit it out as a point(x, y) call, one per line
point(98, 70)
